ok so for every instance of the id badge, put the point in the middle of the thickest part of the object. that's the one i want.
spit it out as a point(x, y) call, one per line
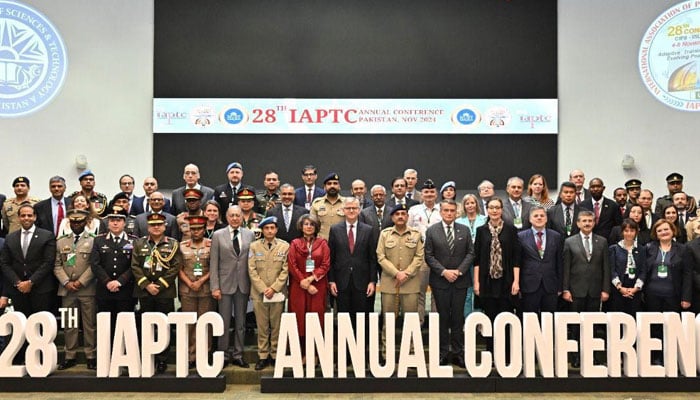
point(159, 266)
point(518, 222)
point(310, 265)
point(197, 269)
point(70, 260)
point(307, 206)
point(662, 271)
point(631, 272)
point(147, 264)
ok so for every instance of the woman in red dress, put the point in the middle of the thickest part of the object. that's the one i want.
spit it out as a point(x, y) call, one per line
point(309, 260)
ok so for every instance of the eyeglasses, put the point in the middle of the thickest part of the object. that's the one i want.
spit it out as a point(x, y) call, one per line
point(128, 183)
point(309, 174)
point(351, 208)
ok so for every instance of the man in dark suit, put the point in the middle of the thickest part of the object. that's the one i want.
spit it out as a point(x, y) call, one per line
point(606, 212)
point(230, 282)
point(449, 252)
point(645, 198)
point(3, 229)
point(139, 204)
point(50, 212)
point(226, 194)
point(287, 214)
point(191, 177)
point(371, 214)
point(353, 274)
point(305, 195)
point(157, 201)
point(516, 211)
point(586, 280)
point(562, 216)
point(398, 196)
point(359, 191)
point(27, 262)
point(541, 266)
point(577, 177)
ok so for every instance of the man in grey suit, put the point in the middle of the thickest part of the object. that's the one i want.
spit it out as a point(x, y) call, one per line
point(515, 210)
point(370, 215)
point(287, 214)
point(586, 270)
point(230, 283)
point(156, 203)
point(449, 252)
point(191, 178)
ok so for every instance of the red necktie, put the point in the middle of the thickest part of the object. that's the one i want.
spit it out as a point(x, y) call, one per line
point(59, 216)
point(596, 209)
point(539, 241)
point(351, 240)
point(308, 196)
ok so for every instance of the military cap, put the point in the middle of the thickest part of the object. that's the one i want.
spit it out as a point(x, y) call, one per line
point(154, 219)
point(20, 179)
point(234, 164)
point(398, 207)
point(193, 194)
point(197, 221)
point(245, 194)
point(331, 177)
point(633, 183)
point(428, 184)
point(267, 221)
point(76, 215)
point(120, 196)
point(85, 173)
point(674, 177)
point(116, 212)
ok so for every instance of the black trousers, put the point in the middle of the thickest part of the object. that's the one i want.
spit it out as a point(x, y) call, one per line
point(450, 307)
point(156, 304)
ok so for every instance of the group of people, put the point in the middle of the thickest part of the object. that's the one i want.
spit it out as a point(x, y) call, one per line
point(309, 248)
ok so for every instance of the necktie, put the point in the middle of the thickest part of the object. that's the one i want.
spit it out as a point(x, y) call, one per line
point(567, 221)
point(308, 195)
point(596, 210)
point(380, 214)
point(622, 210)
point(587, 246)
point(516, 209)
point(147, 207)
point(450, 239)
point(681, 218)
point(236, 246)
point(538, 241)
point(578, 197)
point(25, 242)
point(269, 245)
point(409, 194)
point(59, 216)
point(76, 238)
point(287, 217)
point(351, 239)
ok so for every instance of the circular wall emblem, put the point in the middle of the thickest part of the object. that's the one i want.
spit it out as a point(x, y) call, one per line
point(669, 57)
point(233, 116)
point(32, 60)
point(466, 117)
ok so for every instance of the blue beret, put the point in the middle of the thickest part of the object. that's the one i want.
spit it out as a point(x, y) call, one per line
point(234, 165)
point(398, 207)
point(85, 173)
point(267, 221)
point(331, 177)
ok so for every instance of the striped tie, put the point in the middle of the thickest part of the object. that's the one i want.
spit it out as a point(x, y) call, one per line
point(450, 239)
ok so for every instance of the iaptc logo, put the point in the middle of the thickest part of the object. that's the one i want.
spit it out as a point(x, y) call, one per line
point(466, 117)
point(32, 60)
point(233, 116)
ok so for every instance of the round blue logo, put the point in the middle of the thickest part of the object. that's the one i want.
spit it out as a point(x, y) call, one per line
point(32, 60)
point(466, 117)
point(233, 116)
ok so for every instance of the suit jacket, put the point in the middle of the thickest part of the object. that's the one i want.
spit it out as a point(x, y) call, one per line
point(44, 213)
point(223, 194)
point(369, 216)
point(229, 272)
point(360, 265)
point(586, 195)
point(583, 277)
point(300, 195)
point(557, 221)
point(546, 270)
point(391, 202)
point(609, 216)
point(137, 206)
point(171, 228)
point(37, 266)
point(282, 232)
point(3, 229)
point(693, 250)
point(680, 269)
point(509, 213)
point(178, 199)
point(618, 264)
point(439, 257)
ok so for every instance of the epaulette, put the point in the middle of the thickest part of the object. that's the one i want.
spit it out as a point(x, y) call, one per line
point(92, 235)
point(318, 199)
point(186, 242)
point(64, 236)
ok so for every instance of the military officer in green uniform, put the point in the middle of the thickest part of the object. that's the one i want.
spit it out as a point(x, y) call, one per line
point(400, 255)
point(193, 204)
point(251, 219)
point(76, 286)
point(269, 197)
point(328, 209)
point(155, 263)
point(10, 209)
point(268, 271)
point(87, 186)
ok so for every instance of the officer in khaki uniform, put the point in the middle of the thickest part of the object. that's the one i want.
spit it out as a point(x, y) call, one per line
point(87, 185)
point(156, 263)
point(195, 293)
point(76, 286)
point(400, 255)
point(268, 271)
point(10, 208)
point(328, 209)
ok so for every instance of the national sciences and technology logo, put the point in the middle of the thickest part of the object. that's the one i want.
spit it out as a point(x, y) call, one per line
point(32, 60)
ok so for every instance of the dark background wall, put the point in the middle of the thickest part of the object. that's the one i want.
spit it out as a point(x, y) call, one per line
point(356, 49)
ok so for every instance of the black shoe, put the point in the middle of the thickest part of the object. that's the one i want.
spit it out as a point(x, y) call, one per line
point(577, 362)
point(161, 367)
point(68, 363)
point(459, 361)
point(91, 364)
point(443, 360)
point(261, 364)
point(193, 364)
point(240, 363)
point(272, 361)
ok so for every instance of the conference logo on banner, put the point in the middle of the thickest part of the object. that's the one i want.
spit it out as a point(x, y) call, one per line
point(356, 116)
point(32, 60)
point(669, 57)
